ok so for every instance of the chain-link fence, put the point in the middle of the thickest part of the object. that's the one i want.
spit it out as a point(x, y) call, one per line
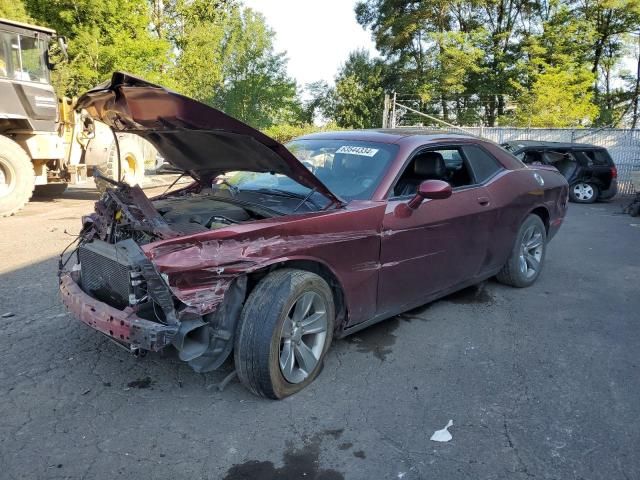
point(622, 144)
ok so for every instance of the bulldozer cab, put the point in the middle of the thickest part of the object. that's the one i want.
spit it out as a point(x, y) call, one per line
point(27, 99)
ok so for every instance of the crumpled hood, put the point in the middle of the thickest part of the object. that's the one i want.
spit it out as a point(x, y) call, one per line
point(190, 135)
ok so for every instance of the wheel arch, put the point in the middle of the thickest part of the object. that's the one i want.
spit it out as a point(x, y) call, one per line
point(544, 215)
point(312, 265)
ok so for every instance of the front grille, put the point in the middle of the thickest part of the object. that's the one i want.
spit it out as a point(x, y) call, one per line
point(105, 273)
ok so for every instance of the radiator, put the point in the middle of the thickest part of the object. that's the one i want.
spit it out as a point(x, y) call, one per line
point(105, 273)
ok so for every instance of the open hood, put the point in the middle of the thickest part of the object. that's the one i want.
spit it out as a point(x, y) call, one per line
point(190, 135)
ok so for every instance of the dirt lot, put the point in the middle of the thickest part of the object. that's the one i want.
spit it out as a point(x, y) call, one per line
point(539, 383)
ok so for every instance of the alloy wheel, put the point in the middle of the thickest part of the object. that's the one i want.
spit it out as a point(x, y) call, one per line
point(531, 251)
point(303, 337)
point(583, 191)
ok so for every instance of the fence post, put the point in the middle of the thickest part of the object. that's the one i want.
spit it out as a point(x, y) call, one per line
point(393, 111)
point(385, 111)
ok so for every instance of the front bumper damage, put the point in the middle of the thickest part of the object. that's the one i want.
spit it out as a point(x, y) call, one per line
point(203, 340)
point(124, 326)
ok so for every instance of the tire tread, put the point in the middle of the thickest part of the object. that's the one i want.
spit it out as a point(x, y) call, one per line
point(509, 274)
point(253, 338)
point(24, 172)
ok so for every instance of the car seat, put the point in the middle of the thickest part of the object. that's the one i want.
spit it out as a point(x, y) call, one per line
point(426, 166)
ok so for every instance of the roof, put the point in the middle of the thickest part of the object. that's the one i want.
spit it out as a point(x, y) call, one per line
point(382, 135)
point(27, 26)
point(541, 144)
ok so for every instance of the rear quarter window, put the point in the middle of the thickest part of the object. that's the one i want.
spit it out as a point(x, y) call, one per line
point(599, 158)
point(483, 164)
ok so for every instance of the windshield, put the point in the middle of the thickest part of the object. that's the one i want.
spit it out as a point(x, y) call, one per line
point(350, 169)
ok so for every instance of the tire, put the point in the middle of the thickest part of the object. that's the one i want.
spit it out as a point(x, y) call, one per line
point(50, 190)
point(262, 336)
point(17, 177)
point(522, 270)
point(132, 167)
point(583, 192)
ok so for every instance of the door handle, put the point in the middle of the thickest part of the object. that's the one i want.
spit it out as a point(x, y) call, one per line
point(483, 200)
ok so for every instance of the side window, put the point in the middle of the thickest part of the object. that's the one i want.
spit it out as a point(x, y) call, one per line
point(16, 59)
point(565, 162)
point(597, 158)
point(532, 158)
point(484, 166)
point(4, 57)
point(445, 164)
point(33, 54)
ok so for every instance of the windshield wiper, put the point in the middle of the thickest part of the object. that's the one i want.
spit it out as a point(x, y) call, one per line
point(288, 194)
point(306, 199)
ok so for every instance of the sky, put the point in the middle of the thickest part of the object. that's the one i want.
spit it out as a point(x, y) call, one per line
point(316, 34)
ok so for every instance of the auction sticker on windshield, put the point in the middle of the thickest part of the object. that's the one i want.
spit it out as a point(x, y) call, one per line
point(355, 150)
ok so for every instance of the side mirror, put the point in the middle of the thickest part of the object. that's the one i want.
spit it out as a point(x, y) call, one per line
point(56, 52)
point(431, 189)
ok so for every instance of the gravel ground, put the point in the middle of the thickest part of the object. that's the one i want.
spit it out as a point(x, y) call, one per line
point(540, 383)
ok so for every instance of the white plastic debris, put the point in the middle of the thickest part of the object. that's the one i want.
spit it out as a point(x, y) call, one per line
point(443, 435)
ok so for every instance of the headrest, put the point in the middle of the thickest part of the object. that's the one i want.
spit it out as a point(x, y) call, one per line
point(430, 165)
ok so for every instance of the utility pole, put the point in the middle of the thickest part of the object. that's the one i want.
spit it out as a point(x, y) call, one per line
point(385, 111)
point(393, 111)
point(636, 90)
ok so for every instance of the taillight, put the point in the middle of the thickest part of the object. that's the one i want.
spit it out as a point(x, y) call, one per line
point(614, 172)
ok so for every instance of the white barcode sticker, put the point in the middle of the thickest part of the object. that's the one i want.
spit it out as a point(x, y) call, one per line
point(355, 150)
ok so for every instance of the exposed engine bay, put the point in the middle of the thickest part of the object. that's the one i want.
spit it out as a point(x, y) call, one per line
point(109, 266)
point(126, 212)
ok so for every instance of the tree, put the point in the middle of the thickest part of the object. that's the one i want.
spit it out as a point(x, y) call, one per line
point(14, 10)
point(417, 38)
point(468, 59)
point(358, 97)
point(256, 87)
point(319, 104)
point(558, 98)
point(104, 35)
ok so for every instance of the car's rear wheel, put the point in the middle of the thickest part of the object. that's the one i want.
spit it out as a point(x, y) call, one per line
point(525, 262)
point(285, 330)
point(583, 192)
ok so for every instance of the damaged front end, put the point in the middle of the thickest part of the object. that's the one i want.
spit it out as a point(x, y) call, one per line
point(110, 284)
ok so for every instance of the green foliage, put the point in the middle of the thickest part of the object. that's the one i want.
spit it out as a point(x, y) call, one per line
point(478, 59)
point(558, 98)
point(256, 87)
point(286, 132)
point(358, 97)
point(103, 35)
point(546, 62)
point(212, 50)
point(14, 10)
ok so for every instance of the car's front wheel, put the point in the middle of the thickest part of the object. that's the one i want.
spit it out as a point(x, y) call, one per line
point(583, 192)
point(285, 330)
point(525, 262)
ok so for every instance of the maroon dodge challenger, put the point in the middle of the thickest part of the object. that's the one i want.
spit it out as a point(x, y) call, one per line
point(300, 244)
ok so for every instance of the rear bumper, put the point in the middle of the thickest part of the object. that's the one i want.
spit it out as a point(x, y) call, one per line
point(610, 192)
point(123, 326)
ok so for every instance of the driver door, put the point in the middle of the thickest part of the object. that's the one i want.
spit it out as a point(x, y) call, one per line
point(440, 244)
